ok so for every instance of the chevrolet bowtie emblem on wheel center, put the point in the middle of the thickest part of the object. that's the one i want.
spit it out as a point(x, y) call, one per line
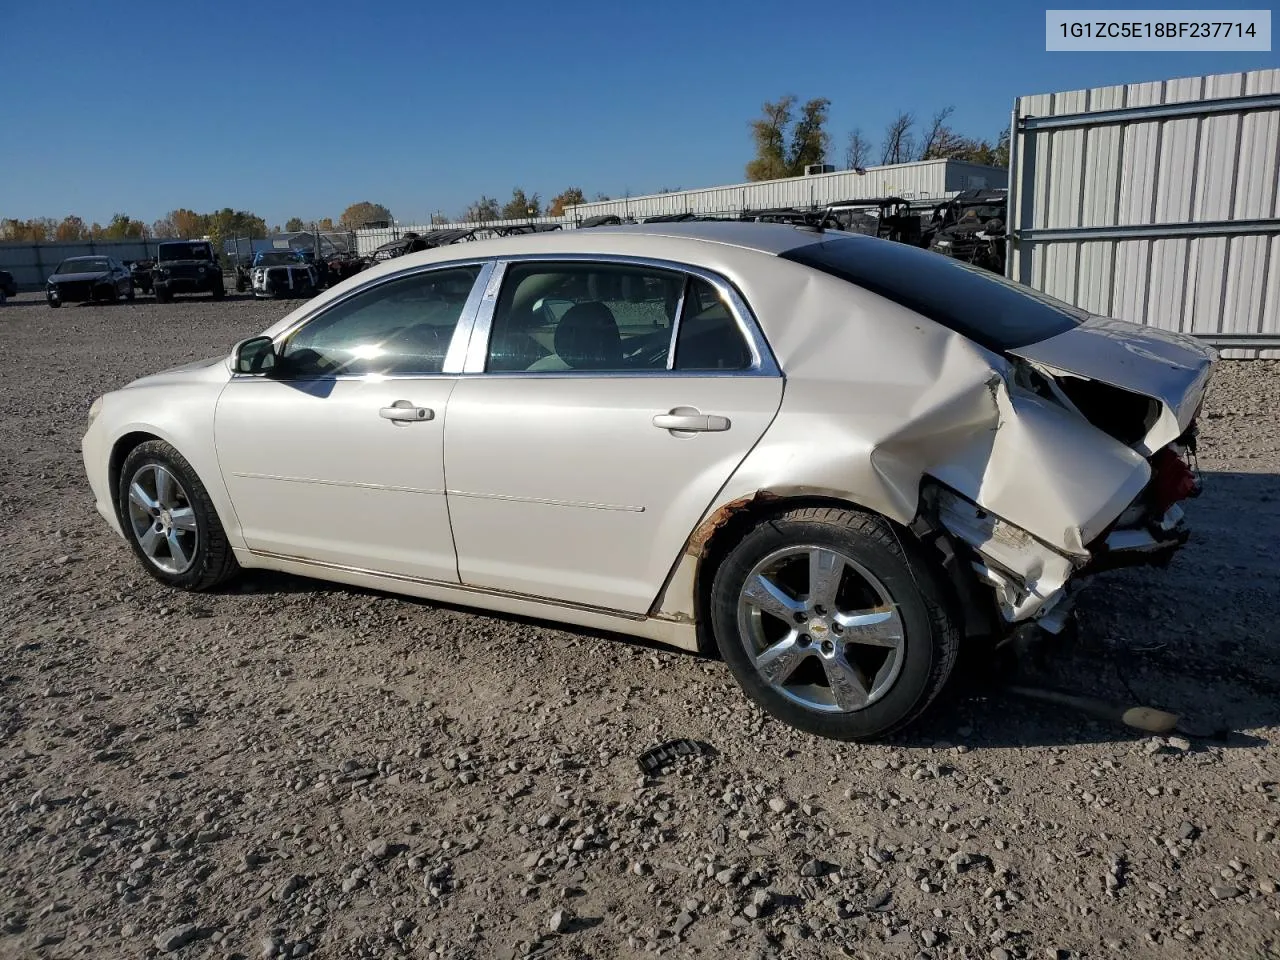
point(818, 629)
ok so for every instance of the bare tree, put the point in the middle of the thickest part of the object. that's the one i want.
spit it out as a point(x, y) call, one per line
point(938, 135)
point(858, 150)
point(898, 142)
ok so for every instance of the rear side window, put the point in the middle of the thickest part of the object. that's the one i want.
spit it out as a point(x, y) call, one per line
point(983, 306)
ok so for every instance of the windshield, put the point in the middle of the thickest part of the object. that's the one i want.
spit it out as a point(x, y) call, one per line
point(983, 306)
point(273, 258)
point(183, 251)
point(983, 212)
point(87, 265)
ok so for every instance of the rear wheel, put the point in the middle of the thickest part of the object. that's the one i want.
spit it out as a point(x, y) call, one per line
point(832, 624)
point(171, 523)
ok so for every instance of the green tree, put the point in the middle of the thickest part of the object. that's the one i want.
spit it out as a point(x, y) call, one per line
point(71, 228)
point(1001, 153)
point(124, 227)
point(37, 230)
point(521, 205)
point(785, 144)
point(294, 225)
point(358, 214)
point(769, 133)
point(483, 210)
point(571, 197)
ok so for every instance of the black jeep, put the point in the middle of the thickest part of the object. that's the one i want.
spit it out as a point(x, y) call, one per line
point(186, 266)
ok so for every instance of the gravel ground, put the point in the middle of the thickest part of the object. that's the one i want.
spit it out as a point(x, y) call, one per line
point(289, 768)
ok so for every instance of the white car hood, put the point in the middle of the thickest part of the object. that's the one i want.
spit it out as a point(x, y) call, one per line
point(211, 369)
point(1170, 368)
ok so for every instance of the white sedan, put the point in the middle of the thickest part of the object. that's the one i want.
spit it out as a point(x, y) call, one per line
point(828, 458)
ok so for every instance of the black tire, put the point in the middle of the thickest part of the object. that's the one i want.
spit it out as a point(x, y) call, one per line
point(55, 304)
point(930, 625)
point(219, 292)
point(241, 285)
point(163, 296)
point(131, 295)
point(214, 560)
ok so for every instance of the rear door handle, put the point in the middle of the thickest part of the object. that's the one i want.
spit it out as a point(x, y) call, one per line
point(403, 411)
point(690, 420)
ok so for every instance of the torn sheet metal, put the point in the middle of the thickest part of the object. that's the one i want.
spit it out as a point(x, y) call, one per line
point(934, 405)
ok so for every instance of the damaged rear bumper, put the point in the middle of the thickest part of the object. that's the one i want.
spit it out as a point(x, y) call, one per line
point(1034, 582)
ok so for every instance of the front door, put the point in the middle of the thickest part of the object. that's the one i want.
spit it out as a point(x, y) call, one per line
point(337, 456)
point(581, 459)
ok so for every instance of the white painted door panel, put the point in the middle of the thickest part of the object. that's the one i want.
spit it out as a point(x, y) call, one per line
point(564, 488)
point(316, 470)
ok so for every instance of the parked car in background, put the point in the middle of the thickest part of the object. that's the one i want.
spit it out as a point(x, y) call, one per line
point(141, 271)
point(85, 279)
point(186, 266)
point(281, 273)
point(8, 286)
point(951, 455)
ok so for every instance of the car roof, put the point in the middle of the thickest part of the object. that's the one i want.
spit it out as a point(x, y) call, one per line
point(772, 238)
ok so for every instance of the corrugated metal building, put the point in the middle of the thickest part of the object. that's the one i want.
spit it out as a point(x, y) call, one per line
point(924, 180)
point(1155, 202)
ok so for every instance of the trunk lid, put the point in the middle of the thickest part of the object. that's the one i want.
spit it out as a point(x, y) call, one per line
point(1168, 368)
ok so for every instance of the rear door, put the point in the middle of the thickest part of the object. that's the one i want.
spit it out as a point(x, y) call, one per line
point(606, 403)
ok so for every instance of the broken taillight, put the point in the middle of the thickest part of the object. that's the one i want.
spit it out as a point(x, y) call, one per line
point(1172, 480)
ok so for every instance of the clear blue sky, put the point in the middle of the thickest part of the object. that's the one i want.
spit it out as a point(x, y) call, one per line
point(302, 108)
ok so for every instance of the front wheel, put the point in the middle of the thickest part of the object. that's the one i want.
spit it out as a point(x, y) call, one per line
point(219, 292)
point(170, 521)
point(832, 624)
point(55, 304)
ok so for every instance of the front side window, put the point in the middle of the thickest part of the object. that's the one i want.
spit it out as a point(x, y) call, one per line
point(403, 326)
point(611, 318)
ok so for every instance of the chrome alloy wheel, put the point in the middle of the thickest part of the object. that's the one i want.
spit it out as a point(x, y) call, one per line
point(163, 522)
point(821, 629)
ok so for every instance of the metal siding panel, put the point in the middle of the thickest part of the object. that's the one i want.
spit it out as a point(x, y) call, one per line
point(1094, 271)
point(1060, 271)
point(1065, 177)
point(1104, 150)
point(1206, 258)
point(1148, 172)
point(1130, 299)
point(1168, 269)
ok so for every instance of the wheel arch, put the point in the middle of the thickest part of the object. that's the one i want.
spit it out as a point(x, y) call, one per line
point(719, 533)
point(120, 450)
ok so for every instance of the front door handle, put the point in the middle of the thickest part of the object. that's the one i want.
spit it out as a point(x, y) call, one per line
point(690, 420)
point(403, 411)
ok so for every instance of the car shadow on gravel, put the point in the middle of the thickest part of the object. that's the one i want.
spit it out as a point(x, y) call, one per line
point(1200, 639)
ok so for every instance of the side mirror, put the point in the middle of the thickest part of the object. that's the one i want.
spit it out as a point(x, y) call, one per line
point(255, 356)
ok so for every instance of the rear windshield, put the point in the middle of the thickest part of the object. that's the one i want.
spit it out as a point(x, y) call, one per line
point(983, 306)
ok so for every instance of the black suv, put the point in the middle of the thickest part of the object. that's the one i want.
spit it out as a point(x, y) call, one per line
point(186, 266)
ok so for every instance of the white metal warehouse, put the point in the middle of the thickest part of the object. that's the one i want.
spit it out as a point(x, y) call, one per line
point(925, 180)
point(1155, 202)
